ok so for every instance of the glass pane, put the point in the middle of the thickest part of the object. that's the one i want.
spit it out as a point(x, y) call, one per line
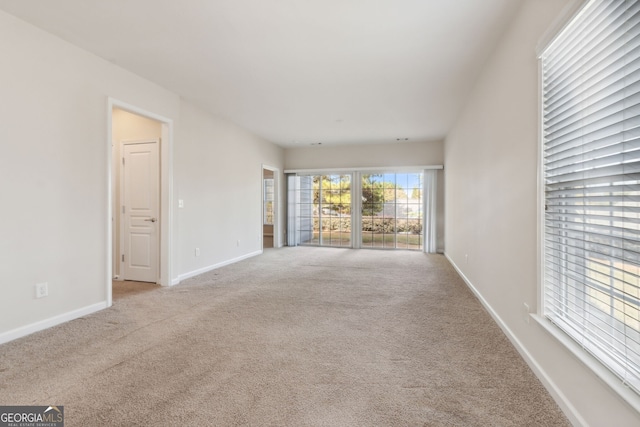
point(392, 210)
point(268, 197)
point(389, 180)
point(329, 208)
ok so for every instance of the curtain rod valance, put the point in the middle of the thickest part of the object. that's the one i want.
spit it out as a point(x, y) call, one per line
point(367, 169)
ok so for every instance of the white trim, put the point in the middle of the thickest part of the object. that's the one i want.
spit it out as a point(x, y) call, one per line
point(565, 405)
point(608, 377)
point(539, 309)
point(562, 21)
point(115, 103)
point(372, 169)
point(108, 281)
point(166, 202)
point(51, 322)
point(214, 266)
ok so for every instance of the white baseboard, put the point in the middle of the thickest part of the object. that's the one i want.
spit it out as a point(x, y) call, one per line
point(565, 405)
point(52, 321)
point(194, 273)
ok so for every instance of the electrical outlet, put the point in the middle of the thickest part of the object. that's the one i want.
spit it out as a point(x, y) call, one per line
point(197, 251)
point(42, 290)
point(180, 203)
point(238, 243)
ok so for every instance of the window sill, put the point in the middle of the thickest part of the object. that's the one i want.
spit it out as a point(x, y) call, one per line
point(603, 373)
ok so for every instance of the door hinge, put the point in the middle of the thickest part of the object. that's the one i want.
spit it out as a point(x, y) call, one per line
point(122, 208)
point(123, 161)
point(122, 257)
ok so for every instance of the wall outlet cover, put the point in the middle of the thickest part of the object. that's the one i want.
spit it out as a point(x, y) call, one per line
point(42, 290)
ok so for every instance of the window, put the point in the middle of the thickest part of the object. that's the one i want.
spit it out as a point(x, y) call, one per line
point(320, 209)
point(363, 208)
point(268, 198)
point(392, 210)
point(591, 172)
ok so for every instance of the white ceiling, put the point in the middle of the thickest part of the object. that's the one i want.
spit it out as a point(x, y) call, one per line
point(296, 71)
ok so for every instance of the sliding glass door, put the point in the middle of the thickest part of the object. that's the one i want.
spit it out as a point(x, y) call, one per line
point(322, 205)
point(332, 219)
point(392, 211)
point(359, 210)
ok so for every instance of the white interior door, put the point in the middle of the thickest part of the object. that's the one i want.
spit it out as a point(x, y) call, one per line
point(140, 211)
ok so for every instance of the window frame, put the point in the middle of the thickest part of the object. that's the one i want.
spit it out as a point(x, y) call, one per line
point(603, 372)
point(429, 200)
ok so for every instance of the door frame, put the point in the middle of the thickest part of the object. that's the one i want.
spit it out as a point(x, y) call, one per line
point(276, 205)
point(122, 225)
point(166, 194)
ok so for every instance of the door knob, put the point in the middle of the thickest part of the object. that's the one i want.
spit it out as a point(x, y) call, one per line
point(151, 219)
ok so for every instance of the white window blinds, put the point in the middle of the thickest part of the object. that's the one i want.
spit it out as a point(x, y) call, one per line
point(591, 166)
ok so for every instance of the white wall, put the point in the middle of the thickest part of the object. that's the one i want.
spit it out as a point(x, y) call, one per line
point(54, 177)
point(491, 205)
point(376, 156)
point(218, 168)
point(366, 155)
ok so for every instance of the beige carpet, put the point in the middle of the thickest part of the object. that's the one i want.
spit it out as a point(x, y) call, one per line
point(295, 337)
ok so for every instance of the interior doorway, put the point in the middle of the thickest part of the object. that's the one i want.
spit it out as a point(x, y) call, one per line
point(144, 141)
point(137, 142)
point(125, 289)
point(269, 208)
